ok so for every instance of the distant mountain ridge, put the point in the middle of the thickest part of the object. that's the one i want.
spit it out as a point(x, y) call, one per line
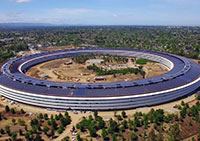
point(24, 26)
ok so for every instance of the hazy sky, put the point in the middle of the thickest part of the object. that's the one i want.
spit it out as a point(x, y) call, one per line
point(98, 12)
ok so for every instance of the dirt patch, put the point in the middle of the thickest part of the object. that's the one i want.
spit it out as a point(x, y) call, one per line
point(189, 127)
point(52, 48)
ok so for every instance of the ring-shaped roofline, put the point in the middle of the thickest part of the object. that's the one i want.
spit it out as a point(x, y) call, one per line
point(32, 60)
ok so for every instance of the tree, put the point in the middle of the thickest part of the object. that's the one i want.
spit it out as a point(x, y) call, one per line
point(124, 114)
point(137, 121)
point(7, 109)
point(124, 124)
point(38, 137)
point(21, 122)
point(20, 132)
point(2, 131)
point(25, 128)
point(1, 117)
point(40, 116)
point(114, 138)
point(7, 129)
point(95, 114)
point(115, 113)
point(46, 117)
point(78, 137)
point(66, 114)
point(12, 110)
point(34, 129)
point(22, 111)
point(158, 116)
point(60, 130)
point(145, 121)
point(182, 103)
point(113, 126)
point(133, 137)
point(183, 112)
point(104, 134)
point(14, 136)
point(60, 116)
point(45, 129)
point(194, 111)
point(27, 136)
point(130, 124)
point(30, 132)
point(174, 133)
point(49, 122)
point(13, 121)
point(51, 117)
point(93, 132)
point(198, 97)
point(101, 123)
point(66, 138)
point(63, 122)
point(119, 117)
point(52, 132)
point(68, 120)
point(56, 117)
point(53, 124)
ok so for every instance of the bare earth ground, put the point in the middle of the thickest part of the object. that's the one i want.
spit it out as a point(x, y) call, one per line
point(57, 71)
point(58, 48)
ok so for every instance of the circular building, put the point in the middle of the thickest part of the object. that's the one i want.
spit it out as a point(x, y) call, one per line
point(182, 80)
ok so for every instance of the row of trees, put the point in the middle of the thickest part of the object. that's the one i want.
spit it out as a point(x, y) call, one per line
point(124, 71)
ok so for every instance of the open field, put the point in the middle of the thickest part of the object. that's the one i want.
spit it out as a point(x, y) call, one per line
point(56, 70)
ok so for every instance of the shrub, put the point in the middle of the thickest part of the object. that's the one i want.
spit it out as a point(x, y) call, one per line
point(14, 136)
point(22, 111)
point(7, 109)
point(119, 117)
point(2, 131)
point(12, 110)
point(46, 117)
point(45, 129)
point(133, 137)
point(21, 122)
point(7, 129)
point(20, 132)
point(141, 61)
point(104, 134)
point(124, 114)
point(60, 130)
point(78, 137)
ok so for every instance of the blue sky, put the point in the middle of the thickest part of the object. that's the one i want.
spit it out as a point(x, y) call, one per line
point(101, 12)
